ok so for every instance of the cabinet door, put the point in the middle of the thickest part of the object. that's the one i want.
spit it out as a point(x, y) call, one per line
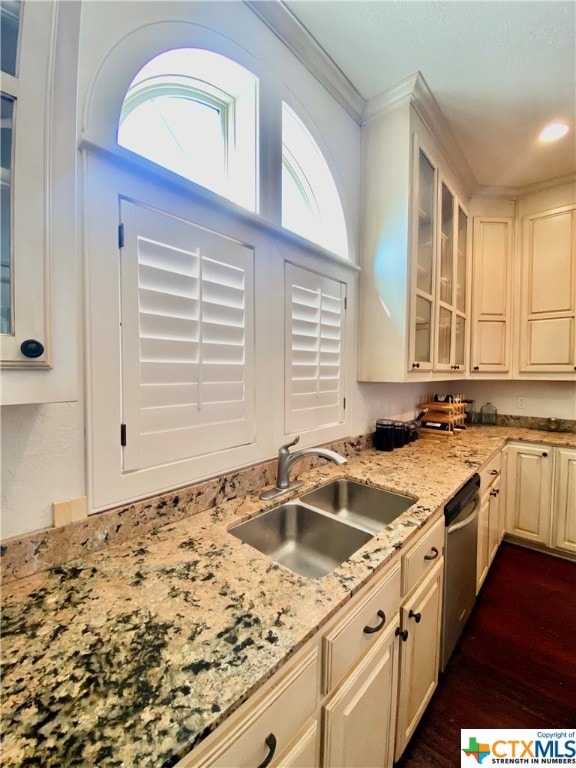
point(358, 719)
point(564, 517)
point(483, 538)
point(547, 332)
point(493, 520)
point(302, 752)
point(528, 492)
point(492, 255)
point(423, 300)
point(419, 655)
point(450, 342)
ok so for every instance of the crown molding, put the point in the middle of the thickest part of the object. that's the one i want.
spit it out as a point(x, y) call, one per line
point(296, 37)
point(515, 193)
point(414, 91)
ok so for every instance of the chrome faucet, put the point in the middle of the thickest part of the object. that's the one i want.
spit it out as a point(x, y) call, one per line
point(286, 460)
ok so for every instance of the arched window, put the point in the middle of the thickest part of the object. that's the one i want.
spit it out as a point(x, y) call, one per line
point(310, 202)
point(194, 112)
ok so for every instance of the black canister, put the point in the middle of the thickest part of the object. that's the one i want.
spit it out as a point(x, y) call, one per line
point(400, 434)
point(384, 435)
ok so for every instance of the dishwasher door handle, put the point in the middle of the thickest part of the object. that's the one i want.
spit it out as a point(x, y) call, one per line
point(467, 520)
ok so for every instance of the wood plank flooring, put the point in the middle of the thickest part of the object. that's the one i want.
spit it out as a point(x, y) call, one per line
point(515, 665)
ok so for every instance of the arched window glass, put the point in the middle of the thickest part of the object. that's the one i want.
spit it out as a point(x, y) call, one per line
point(310, 202)
point(194, 112)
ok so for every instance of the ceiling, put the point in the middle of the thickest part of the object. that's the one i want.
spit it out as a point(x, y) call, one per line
point(499, 69)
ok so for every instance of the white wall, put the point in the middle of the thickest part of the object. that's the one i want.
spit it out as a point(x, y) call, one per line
point(543, 399)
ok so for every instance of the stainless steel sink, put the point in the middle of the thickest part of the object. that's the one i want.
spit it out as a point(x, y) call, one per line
point(363, 505)
point(304, 540)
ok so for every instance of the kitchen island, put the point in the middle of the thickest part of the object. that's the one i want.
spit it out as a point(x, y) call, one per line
point(132, 655)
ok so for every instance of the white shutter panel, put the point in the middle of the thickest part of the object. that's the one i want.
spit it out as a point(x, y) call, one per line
point(314, 350)
point(187, 339)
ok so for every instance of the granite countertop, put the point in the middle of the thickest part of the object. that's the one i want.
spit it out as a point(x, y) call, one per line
point(131, 655)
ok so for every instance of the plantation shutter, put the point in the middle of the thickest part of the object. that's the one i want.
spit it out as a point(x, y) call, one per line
point(187, 339)
point(315, 307)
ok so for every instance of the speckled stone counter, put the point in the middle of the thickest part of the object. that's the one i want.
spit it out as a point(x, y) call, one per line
point(131, 655)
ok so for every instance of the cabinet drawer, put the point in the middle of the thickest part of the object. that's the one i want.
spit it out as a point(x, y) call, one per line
point(269, 723)
point(490, 471)
point(422, 556)
point(343, 645)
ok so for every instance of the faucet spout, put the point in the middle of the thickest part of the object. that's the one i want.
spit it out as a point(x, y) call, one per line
point(286, 461)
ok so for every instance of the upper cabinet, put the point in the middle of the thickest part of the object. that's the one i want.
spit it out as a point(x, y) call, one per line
point(547, 343)
point(414, 286)
point(492, 271)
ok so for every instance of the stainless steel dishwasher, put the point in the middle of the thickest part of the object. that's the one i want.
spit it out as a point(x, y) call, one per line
point(461, 517)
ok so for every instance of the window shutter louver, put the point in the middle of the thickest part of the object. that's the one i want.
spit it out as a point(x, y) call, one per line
point(314, 350)
point(187, 339)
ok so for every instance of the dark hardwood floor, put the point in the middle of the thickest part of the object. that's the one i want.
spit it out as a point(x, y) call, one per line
point(515, 665)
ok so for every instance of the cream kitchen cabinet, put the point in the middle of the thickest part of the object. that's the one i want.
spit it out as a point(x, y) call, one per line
point(360, 660)
point(276, 727)
point(541, 496)
point(451, 341)
point(419, 631)
point(413, 307)
point(490, 523)
point(420, 626)
point(564, 504)
point(492, 276)
point(358, 719)
point(529, 492)
point(547, 339)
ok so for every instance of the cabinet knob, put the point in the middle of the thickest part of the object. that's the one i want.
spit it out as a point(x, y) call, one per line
point(403, 633)
point(270, 742)
point(382, 616)
point(476, 367)
point(32, 348)
point(415, 365)
point(544, 455)
point(434, 554)
point(415, 616)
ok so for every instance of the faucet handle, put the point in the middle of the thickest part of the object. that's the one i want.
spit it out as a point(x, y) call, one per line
point(284, 448)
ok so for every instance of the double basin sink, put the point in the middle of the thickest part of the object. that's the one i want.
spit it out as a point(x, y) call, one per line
point(316, 533)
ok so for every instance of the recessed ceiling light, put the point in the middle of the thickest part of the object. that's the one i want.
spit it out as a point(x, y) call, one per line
point(553, 131)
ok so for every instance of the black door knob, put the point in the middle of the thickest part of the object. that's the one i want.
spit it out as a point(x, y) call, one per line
point(32, 348)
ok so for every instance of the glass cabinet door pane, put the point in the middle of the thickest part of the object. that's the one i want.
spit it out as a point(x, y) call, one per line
point(423, 331)
point(425, 234)
point(444, 335)
point(459, 341)
point(461, 263)
point(9, 26)
point(446, 246)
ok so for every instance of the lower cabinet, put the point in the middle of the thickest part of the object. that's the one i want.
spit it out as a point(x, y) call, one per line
point(490, 519)
point(358, 719)
point(420, 626)
point(564, 506)
point(541, 496)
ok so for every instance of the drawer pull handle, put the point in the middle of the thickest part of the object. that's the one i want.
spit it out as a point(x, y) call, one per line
point(433, 556)
point(403, 633)
point(271, 744)
point(493, 471)
point(415, 616)
point(382, 616)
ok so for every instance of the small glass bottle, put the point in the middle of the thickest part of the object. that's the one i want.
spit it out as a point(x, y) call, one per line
point(488, 414)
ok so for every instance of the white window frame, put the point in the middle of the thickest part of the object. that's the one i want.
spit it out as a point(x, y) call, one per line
point(237, 101)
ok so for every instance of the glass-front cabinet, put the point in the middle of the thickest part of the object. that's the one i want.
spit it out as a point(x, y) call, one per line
point(423, 310)
point(440, 258)
point(450, 351)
